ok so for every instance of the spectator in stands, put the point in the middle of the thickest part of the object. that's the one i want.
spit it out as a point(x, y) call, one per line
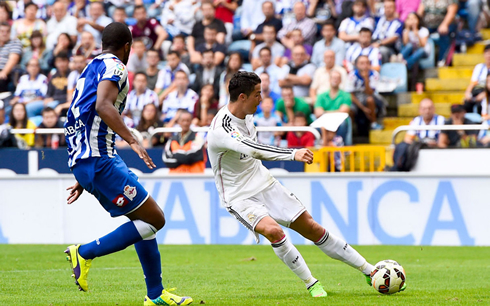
point(289, 105)
point(87, 47)
point(60, 22)
point(272, 69)
point(5, 13)
point(462, 138)
point(233, 66)
point(178, 45)
point(415, 38)
point(208, 73)
point(427, 117)
point(80, 9)
point(483, 107)
point(58, 83)
point(210, 43)
point(298, 73)
point(152, 60)
point(166, 77)
point(36, 50)
point(267, 92)
point(79, 63)
point(64, 46)
point(10, 54)
point(329, 42)
point(334, 100)
point(321, 78)
point(32, 89)
point(305, 24)
point(405, 7)
point(148, 29)
point(139, 97)
point(277, 50)
point(298, 40)
point(181, 98)
point(252, 15)
point(349, 30)
point(361, 85)
point(363, 47)
point(185, 152)
point(150, 120)
point(474, 8)
point(18, 119)
point(96, 21)
point(475, 91)
point(197, 35)
point(270, 19)
point(137, 58)
point(50, 121)
point(119, 14)
point(388, 32)
point(268, 118)
point(438, 16)
point(225, 9)
point(178, 17)
point(22, 28)
point(7, 140)
point(205, 103)
point(300, 139)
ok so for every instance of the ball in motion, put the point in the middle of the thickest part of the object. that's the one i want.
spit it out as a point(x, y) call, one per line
point(388, 277)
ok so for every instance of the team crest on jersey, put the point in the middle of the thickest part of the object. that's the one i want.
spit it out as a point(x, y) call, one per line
point(251, 217)
point(130, 192)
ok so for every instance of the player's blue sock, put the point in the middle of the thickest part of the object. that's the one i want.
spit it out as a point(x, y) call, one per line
point(152, 267)
point(124, 236)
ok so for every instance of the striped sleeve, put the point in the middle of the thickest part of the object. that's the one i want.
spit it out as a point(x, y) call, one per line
point(115, 71)
point(232, 139)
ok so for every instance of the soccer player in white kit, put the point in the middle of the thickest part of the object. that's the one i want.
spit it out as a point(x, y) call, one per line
point(254, 197)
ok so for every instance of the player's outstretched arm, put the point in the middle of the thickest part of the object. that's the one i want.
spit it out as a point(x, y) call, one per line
point(303, 155)
point(75, 192)
point(107, 92)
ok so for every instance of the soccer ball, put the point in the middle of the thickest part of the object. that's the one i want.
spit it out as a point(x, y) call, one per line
point(388, 276)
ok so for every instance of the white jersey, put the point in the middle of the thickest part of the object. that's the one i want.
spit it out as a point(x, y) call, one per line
point(235, 157)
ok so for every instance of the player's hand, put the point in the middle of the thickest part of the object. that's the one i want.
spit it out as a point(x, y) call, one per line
point(75, 192)
point(304, 155)
point(143, 154)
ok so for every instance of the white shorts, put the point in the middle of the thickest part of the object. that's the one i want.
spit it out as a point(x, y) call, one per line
point(275, 201)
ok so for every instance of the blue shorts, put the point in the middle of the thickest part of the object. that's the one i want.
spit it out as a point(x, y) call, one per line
point(112, 183)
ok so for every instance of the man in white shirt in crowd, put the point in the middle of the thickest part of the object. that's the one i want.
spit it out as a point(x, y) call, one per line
point(388, 32)
point(305, 24)
point(329, 42)
point(321, 78)
point(277, 50)
point(268, 66)
point(61, 22)
point(298, 73)
point(479, 77)
point(427, 117)
point(137, 58)
point(165, 81)
point(251, 16)
point(363, 47)
point(97, 21)
point(181, 97)
point(350, 27)
point(140, 96)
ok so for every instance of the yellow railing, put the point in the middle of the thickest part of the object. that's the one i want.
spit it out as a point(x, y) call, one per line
point(348, 159)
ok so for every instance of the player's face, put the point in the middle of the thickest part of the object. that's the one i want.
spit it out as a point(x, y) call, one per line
point(253, 100)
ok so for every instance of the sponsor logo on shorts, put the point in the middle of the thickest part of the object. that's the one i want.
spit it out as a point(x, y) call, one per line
point(120, 201)
point(130, 192)
point(251, 217)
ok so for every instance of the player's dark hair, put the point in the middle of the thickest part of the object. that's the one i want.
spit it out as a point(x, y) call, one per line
point(30, 4)
point(242, 82)
point(173, 53)
point(330, 23)
point(140, 73)
point(46, 110)
point(266, 49)
point(365, 30)
point(115, 36)
point(139, 7)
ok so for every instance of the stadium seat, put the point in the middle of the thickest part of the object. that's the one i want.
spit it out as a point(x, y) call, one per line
point(429, 61)
point(395, 71)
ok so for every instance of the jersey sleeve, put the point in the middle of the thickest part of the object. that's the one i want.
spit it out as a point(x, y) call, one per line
point(229, 138)
point(115, 71)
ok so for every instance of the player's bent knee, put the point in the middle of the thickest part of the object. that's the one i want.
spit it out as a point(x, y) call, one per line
point(274, 233)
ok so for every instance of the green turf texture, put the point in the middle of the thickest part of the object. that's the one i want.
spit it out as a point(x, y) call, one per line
point(225, 275)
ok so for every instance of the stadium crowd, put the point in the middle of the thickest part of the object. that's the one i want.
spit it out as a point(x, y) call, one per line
point(313, 57)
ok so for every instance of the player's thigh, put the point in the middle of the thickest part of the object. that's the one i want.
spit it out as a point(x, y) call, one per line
point(270, 229)
point(283, 206)
point(249, 212)
point(307, 227)
point(149, 212)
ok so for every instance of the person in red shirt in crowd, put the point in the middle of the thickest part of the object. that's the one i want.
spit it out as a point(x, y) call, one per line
point(300, 139)
point(225, 9)
point(150, 30)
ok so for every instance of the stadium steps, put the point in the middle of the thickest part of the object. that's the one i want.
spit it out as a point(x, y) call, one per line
point(450, 97)
point(391, 123)
point(485, 33)
point(458, 84)
point(454, 72)
point(467, 59)
point(412, 110)
point(383, 137)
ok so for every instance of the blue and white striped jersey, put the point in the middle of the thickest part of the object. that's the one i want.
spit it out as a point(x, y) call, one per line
point(387, 29)
point(86, 134)
point(356, 50)
point(419, 120)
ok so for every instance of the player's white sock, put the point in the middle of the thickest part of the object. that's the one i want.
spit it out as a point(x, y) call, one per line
point(288, 253)
point(338, 249)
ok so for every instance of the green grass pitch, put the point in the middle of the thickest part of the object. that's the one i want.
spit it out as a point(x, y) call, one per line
point(225, 275)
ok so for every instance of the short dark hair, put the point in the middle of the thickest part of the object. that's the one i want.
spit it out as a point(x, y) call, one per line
point(30, 4)
point(211, 26)
point(5, 24)
point(365, 30)
point(359, 57)
point(329, 22)
point(266, 49)
point(47, 109)
point(115, 36)
point(138, 7)
point(173, 53)
point(487, 47)
point(287, 87)
point(299, 115)
point(181, 71)
point(207, 51)
point(270, 26)
point(139, 40)
point(362, 2)
point(140, 73)
point(242, 82)
point(179, 36)
point(62, 55)
point(120, 8)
